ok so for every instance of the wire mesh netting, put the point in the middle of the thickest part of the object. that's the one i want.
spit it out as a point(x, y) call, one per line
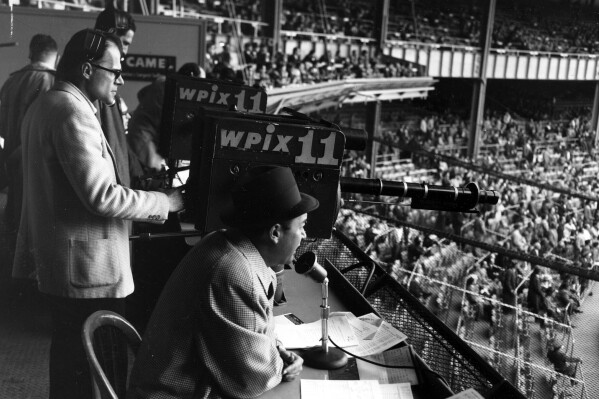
point(469, 346)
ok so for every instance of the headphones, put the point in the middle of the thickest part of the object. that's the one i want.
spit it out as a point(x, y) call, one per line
point(95, 41)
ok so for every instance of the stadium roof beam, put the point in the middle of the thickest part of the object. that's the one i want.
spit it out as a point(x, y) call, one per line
point(309, 98)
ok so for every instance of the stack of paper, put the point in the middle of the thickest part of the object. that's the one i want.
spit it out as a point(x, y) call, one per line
point(374, 334)
point(367, 335)
point(356, 389)
point(387, 375)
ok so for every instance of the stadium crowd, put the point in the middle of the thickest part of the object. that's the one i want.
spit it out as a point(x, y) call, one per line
point(532, 25)
point(528, 219)
point(257, 66)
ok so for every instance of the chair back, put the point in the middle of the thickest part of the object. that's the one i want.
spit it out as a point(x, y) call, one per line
point(102, 387)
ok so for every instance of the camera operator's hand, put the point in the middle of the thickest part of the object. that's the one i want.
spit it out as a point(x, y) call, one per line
point(175, 199)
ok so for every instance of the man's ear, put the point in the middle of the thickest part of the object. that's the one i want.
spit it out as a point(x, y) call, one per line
point(86, 70)
point(274, 233)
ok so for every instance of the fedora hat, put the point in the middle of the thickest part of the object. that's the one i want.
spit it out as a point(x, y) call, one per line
point(266, 194)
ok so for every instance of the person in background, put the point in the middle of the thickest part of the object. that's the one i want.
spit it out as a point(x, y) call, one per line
point(536, 296)
point(473, 295)
point(567, 299)
point(562, 363)
point(510, 282)
point(73, 234)
point(17, 94)
point(112, 116)
point(143, 136)
point(156, 259)
point(212, 335)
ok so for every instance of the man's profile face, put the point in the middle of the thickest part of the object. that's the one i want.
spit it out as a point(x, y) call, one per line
point(127, 40)
point(291, 237)
point(104, 84)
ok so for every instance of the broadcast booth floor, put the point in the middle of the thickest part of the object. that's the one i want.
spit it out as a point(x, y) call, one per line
point(25, 334)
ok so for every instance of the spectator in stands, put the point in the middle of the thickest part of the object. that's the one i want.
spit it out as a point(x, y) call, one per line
point(249, 53)
point(473, 295)
point(562, 363)
point(519, 242)
point(536, 296)
point(263, 58)
point(223, 69)
point(417, 289)
point(211, 59)
point(510, 282)
point(415, 250)
point(294, 58)
point(567, 299)
point(371, 232)
point(349, 228)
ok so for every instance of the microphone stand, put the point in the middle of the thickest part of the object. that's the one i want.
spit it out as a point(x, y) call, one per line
point(324, 358)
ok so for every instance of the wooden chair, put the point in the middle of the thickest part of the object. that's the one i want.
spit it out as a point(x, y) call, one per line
point(102, 387)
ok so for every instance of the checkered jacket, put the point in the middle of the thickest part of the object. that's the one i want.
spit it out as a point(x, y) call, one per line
point(211, 334)
point(73, 233)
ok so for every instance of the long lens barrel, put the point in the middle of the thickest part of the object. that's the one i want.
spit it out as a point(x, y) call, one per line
point(464, 197)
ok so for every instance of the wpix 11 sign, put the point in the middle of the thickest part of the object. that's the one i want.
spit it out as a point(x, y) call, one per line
point(147, 67)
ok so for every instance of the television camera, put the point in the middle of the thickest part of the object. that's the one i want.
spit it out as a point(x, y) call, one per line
point(223, 130)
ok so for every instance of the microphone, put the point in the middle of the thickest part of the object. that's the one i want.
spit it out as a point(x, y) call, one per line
point(322, 357)
point(309, 267)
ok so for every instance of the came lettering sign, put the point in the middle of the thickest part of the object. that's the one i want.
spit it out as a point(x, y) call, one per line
point(147, 67)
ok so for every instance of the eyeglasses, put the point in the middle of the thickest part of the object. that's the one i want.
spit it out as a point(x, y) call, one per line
point(117, 72)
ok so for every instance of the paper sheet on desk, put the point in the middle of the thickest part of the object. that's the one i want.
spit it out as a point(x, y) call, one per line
point(396, 357)
point(362, 329)
point(470, 393)
point(353, 389)
point(309, 335)
point(394, 391)
point(340, 389)
point(386, 337)
point(373, 320)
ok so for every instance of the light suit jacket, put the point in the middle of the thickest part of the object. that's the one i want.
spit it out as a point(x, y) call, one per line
point(73, 225)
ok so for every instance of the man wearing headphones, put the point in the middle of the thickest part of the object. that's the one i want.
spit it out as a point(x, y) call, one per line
point(73, 234)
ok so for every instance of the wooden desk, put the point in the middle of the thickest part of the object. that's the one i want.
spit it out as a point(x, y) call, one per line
point(304, 297)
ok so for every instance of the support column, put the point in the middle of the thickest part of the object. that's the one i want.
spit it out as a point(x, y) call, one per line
point(373, 121)
point(202, 31)
point(595, 114)
point(272, 11)
point(480, 85)
point(381, 22)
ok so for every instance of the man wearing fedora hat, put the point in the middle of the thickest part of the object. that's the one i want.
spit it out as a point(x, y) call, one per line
point(211, 334)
